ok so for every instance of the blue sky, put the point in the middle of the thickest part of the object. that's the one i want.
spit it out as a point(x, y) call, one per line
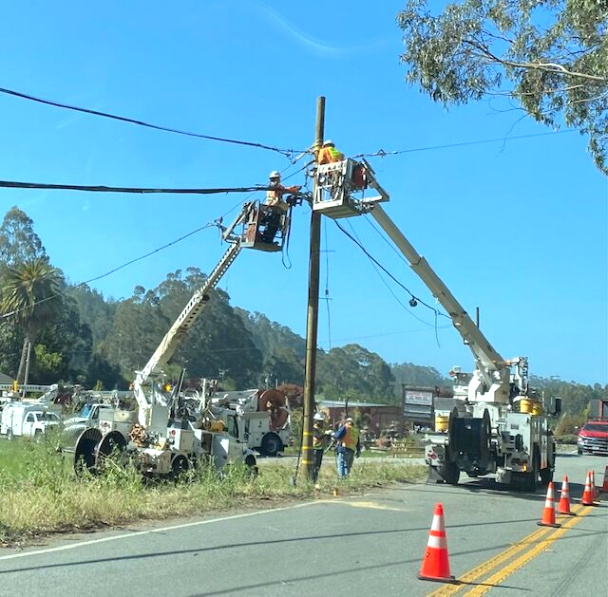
point(517, 227)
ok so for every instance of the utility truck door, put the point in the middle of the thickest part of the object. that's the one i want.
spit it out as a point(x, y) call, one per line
point(28, 424)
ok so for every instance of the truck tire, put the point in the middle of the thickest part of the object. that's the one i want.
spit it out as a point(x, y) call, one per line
point(546, 474)
point(179, 466)
point(450, 473)
point(9, 435)
point(251, 467)
point(531, 479)
point(271, 444)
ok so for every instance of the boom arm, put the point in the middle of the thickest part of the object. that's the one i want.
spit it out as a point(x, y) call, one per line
point(490, 365)
point(166, 349)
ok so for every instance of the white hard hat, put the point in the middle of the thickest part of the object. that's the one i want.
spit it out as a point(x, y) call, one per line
point(328, 143)
point(319, 417)
point(275, 174)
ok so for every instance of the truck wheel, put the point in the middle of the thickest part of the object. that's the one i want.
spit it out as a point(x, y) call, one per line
point(9, 435)
point(38, 436)
point(531, 482)
point(450, 473)
point(179, 466)
point(271, 444)
point(579, 451)
point(251, 467)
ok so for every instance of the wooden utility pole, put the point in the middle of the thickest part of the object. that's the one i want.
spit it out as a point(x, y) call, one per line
point(313, 312)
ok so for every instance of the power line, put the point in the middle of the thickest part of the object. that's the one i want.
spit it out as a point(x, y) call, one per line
point(382, 153)
point(112, 271)
point(286, 152)
point(141, 190)
point(372, 258)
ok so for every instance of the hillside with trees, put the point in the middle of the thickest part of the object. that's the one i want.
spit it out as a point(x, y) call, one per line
point(55, 332)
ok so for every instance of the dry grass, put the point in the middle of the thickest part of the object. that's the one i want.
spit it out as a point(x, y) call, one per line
point(40, 494)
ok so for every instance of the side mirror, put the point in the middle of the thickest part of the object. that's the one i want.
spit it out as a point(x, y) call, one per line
point(558, 406)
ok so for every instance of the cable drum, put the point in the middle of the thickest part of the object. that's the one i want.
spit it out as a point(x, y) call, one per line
point(485, 437)
point(470, 436)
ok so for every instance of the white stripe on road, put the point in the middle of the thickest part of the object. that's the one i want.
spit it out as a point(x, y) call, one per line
point(25, 554)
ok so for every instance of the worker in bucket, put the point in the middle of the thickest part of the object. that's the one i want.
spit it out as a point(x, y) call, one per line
point(349, 446)
point(278, 207)
point(320, 442)
point(328, 154)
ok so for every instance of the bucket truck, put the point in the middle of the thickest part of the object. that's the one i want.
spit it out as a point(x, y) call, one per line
point(164, 437)
point(264, 415)
point(499, 429)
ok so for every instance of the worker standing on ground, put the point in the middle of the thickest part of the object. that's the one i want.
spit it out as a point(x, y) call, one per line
point(320, 441)
point(349, 446)
point(328, 154)
point(278, 207)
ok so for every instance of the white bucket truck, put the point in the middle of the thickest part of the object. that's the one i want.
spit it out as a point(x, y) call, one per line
point(27, 420)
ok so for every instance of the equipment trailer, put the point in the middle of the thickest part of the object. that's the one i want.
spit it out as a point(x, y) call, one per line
point(500, 429)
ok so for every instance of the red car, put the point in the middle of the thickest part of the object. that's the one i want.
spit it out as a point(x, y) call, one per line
point(593, 437)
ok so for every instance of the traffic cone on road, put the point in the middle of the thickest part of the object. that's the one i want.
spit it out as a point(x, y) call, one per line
point(564, 499)
point(548, 519)
point(604, 488)
point(436, 565)
point(588, 494)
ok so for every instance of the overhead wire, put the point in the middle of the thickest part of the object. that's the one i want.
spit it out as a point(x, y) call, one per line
point(286, 152)
point(376, 267)
point(136, 190)
point(382, 153)
point(114, 270)
point(385, 270)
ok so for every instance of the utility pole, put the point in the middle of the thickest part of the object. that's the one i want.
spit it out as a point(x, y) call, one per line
point(313, 311)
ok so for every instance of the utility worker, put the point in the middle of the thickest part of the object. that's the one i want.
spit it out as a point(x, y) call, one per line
point(349, 446)
point(320, 441)
point(278, 207)
point(328, 154)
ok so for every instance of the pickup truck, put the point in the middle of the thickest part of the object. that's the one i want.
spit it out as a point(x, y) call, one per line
point(593, 438)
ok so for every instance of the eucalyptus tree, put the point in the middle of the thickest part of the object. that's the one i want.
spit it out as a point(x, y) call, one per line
point(18, 241)
point(548, 56)
point(30, 295)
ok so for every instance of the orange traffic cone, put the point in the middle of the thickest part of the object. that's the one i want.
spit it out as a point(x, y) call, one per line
point(604, 488)
point(435, 565)
point(548, 519)
point(564, 499)
point(588, 495)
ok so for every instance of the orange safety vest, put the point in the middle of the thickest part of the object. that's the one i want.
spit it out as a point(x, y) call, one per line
point(330, 155)
point(350, 438)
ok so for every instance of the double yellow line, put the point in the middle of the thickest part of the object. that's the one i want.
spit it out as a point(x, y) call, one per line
point(532, 545)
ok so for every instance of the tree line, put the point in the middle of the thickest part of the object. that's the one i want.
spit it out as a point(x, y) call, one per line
point(55, 332)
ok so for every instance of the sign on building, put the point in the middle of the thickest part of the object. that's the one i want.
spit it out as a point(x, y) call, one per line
point(418, 405)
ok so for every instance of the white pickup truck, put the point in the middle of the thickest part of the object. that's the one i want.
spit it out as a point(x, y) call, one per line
point(27, 420)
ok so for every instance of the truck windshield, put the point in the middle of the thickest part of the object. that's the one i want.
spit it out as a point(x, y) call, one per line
point(597, 427)
point(48, 417)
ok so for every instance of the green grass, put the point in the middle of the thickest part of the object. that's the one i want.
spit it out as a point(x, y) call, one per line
point(41, 495)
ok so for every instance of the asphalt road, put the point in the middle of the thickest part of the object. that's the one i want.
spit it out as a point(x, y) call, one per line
point(353, 546)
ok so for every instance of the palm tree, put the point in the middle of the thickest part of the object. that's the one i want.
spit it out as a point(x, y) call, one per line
point(30, 292)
